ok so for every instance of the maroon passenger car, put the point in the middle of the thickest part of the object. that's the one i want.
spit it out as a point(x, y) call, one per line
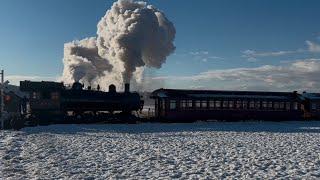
point(189, 105)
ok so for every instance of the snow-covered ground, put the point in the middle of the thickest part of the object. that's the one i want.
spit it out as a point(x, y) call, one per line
point(245, 150)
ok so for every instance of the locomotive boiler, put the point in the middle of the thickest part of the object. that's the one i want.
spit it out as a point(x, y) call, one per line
point(54, 102)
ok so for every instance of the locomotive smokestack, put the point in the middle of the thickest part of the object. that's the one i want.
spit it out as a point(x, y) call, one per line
point(127, 87)
point(112, 88)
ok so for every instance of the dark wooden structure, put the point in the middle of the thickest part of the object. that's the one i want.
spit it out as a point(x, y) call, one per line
point(12, 108)
point(189, 105)
point(12, 102)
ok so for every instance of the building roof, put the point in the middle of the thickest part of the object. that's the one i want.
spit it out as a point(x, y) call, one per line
point(180, 93)
point(29, 86)
point(15, 89)
point(311, 96)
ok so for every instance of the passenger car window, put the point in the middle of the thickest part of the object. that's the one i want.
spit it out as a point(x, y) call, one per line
point(173, 104)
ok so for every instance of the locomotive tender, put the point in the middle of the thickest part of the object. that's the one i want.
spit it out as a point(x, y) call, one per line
point(52, 102)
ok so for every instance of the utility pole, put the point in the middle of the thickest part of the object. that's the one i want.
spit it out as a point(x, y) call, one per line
point(2, 99)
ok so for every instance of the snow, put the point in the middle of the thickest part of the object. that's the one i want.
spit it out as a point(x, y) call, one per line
point(242, 150)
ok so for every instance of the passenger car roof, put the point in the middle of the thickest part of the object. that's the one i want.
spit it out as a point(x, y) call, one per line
point(181, 93)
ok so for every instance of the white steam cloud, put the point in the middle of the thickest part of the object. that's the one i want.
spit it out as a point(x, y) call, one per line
point(131, 36)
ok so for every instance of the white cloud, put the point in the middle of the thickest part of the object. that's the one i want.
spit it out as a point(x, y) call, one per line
point(195, 53)
point(252, 56)
point(298, 75)
point(15, 79)
point(252, 59)
point(203, 56)
point(196, 87)
point(265, 54)
point(215, 57)
point(313, 47)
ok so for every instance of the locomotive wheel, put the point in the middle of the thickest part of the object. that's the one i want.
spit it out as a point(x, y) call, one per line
point(34, 121)
point(43, 123)
point(17, 122)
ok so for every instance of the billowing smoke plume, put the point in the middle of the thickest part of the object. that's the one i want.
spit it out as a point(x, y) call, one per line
point(82, 61)
point(131, 36)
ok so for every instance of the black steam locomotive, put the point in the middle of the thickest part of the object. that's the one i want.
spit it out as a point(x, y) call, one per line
point(52, 102)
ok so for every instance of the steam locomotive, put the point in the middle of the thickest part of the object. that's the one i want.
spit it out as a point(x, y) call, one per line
point(52, 102)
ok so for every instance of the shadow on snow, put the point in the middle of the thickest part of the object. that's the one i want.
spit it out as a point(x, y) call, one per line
point(256, 126)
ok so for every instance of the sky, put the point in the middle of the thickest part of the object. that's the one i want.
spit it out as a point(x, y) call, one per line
point(220, 44)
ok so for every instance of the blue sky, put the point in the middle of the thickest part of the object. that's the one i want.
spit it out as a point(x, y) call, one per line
point(212, 37)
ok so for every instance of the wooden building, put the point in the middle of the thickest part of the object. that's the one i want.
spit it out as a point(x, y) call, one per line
point(12, 108)
point(12, 99)
point(12, 102)
point(190, 105)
